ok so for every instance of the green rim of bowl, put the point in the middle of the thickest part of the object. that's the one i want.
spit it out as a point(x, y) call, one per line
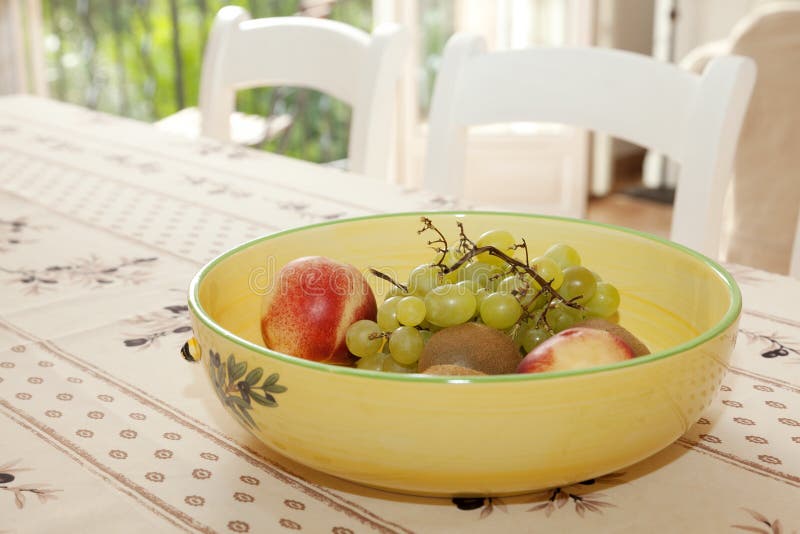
point(728, 319)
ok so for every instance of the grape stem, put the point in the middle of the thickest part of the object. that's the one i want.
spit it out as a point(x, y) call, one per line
point(523, 246)
point(465, 243)
point(471, 250)
point(494, 251)
point(384, 276)
point(428, 225)
point(378, 335)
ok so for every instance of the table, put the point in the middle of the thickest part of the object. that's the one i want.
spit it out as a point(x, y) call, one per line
point(103, 222)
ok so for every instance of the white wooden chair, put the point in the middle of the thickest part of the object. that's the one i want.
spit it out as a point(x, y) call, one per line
point(692, 119)
point(765, 193)
point(332, 57)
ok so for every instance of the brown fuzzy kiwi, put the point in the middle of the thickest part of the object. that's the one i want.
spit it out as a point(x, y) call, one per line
point(473, 346)
point(451, 370)
point(636, 345)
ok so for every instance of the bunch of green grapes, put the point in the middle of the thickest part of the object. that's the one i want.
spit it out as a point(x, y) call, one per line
point(463, 285)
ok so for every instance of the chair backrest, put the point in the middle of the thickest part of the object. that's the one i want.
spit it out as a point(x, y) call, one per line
point(766, 180)
point(692, 119)
point(332, 57)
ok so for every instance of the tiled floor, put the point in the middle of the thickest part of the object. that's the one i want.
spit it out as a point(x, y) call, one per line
point(629, 211)
point(639, 214)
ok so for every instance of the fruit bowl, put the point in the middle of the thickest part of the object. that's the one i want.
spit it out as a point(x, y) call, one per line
point(470, 435)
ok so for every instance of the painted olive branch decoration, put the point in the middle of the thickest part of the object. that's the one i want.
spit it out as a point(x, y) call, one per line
point(238, 389)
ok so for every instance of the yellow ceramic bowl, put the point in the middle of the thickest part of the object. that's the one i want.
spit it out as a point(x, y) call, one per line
point(488, 435)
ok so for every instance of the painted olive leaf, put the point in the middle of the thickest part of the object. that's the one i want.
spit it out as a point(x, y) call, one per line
point(264, 400)
point(271, 379)
point(238, 389)
point(229, 363)
point(240, 402)
point(274, 388)
point(246, 416)
point(254, 376)
point(238, 371)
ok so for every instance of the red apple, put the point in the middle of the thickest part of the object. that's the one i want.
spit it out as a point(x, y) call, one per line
point(312, 303)
point(576, 348)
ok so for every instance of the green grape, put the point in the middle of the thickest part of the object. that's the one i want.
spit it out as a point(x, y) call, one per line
point(511, 283)
point(562, 317)
point(605, 301)
point(395, 292)
point(449, 305)
point(391, 366)
point(482, 274)
point(564, 255)
point(524, 286)
point(363, 338)
point(500, 310)
point(387, 314)
point(519, 282)
point(468, 285)
point(548, 269)
point(538, 303)
point(426, 324)
point(423, 278)
point(426, 335)
point(578, 282)
point(405, 345)
point(410, 311)
point(374, 362)
point(499, 239)
point(529, 336)
point(480, 296)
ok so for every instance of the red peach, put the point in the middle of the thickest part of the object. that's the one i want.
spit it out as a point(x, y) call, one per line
point(576, 348)
point(312, 303)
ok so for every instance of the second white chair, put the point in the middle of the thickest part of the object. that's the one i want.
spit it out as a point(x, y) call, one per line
point(765, 192)
point(329, 56)
point(694, 120)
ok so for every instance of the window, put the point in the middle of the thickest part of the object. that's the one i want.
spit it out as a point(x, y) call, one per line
point(142, 59)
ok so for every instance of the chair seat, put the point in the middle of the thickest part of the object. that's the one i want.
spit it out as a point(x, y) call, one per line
point(245, 129)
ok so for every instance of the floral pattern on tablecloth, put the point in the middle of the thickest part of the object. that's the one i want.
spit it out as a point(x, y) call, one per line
point(11, 482)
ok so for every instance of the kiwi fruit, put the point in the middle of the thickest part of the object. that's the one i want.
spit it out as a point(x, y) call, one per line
point(636, 345)
point(472, 346)
point(451, 370)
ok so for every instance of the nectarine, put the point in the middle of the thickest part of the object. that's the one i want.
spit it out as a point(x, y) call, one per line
point(575, 348)
point(312, 303)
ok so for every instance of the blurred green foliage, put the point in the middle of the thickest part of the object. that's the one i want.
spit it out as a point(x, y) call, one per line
point(142, 59)
point(437, 21)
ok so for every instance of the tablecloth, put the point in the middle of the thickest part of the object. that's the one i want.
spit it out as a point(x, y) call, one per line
point(103, 222)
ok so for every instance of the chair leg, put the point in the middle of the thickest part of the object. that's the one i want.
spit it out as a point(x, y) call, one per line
point(602, 164)
point(653, 170)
